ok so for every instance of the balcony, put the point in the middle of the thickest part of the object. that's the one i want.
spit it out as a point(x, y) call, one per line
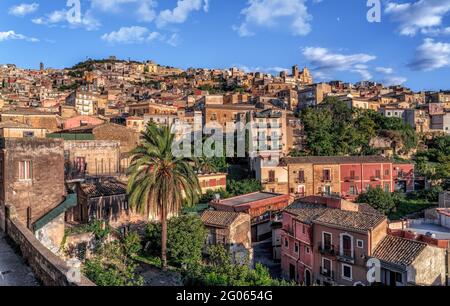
point(327, 273)
point(270, 181)
point(300, 180)
point(346, 256)
point(326, 179)
point(375, 178)
point(300, 195)
point(351, 178)
point(327, 250)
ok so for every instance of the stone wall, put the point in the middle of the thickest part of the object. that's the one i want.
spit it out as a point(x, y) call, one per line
point(45, 189)
point(46, 266)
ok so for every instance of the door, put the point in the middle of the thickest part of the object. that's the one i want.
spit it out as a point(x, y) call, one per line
point(307, 278)
point(291, 272)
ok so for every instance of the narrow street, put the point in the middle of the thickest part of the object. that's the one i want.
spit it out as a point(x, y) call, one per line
point(13, 271)
point(263, 255)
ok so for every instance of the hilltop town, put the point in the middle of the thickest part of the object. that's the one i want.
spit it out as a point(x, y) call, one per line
point(336, 179)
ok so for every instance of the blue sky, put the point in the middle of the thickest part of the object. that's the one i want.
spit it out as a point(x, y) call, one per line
point(410, 45)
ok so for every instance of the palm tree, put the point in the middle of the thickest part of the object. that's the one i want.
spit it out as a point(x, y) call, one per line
point(157, 179)
point(205, 165)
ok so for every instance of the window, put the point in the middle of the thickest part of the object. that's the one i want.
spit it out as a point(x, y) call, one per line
point(378, 174)
point(387, 187)
point(327, 190)
point(286, 242)
point(28, 134)
point(327, 175)
point(352, 174)
point(301, 176)
point(326, 267)
point(303, 229)
point(352, 190)
point(347, 272)
point(360, 243)
point(326, 241)
point(307, 250)
point(386, 172)
point(271, 176)
point(25, 170)
point(296, 248)
point(347, 246)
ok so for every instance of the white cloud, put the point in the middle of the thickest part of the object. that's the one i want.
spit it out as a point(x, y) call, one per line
point(131, 35)
point(384, 70)
point(394, 80)
point(420, 16)
point(86, 21)
point(181, 12)
point(23, 9)
point(139, 35)
point(324, 62)
point(273, 13)
point(12, 35)
point(431, 55)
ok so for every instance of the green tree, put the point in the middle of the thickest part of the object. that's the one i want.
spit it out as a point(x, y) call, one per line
point(112, 267)
point(157, 177)
point(382, 201)
point(132, 244)
point(223, 271)
point(186, 237)
point(237, 188)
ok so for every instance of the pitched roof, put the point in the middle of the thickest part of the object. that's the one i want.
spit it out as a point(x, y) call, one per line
point(336, 160)
point(219, 218)
point(398, 250)
point(351, 220)
point(102, 189)
point(363, 220)
point(305, 212)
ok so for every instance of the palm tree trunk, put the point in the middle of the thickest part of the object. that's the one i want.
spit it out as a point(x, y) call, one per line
point(164, 239)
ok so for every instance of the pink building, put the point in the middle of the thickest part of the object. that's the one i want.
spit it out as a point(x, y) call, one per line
point(78, 121)
point(327, 240)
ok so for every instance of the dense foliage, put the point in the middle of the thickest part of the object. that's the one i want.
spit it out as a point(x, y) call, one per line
point(434, 163)
point(185, 240)
point(112, 266)
point(384, 202)
point(222, 271)
point(335, 129)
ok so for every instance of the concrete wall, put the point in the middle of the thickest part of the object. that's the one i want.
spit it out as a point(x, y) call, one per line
point(429, 268)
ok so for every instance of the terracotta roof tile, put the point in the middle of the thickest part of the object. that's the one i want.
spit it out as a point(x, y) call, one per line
point(219, 218)
point(350, 219)
point(398, 250)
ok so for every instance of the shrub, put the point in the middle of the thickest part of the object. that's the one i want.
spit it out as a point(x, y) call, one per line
point(185, 239)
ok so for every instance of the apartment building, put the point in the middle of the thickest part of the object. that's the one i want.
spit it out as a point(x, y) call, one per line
point(345, 176)
point(325, 241)
point(86, 101)
point(329, 241)
point(313, 95)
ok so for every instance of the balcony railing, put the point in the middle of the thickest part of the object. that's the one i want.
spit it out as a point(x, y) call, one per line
point(346, 256)
point(326, 273)
point(327, 250)
point(326, 179)
point(270, 181)
point(351, 178)
point(300, 195)
point(300, 180)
